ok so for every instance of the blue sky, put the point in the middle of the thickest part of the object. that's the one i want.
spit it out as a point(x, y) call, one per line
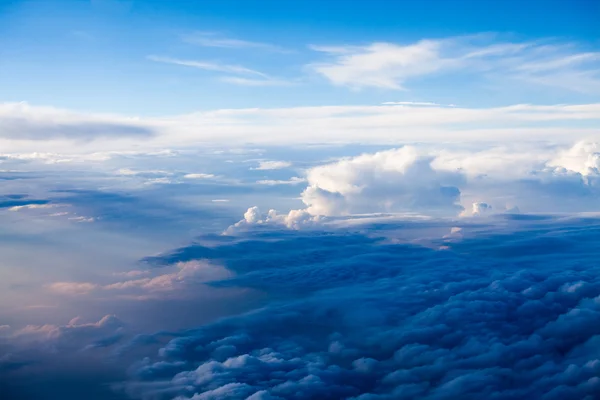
point(94, 55)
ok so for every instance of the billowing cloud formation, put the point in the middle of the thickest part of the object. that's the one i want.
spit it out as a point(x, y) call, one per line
point(430, 181)
point(253, 217)
point(583, 158)
point(393, 180)
point(493, 316)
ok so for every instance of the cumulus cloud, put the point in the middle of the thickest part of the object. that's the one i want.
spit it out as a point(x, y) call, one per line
point(437, 182)
point(393, 180)
point(583, 158)
point(493, 316)
point(294, 219)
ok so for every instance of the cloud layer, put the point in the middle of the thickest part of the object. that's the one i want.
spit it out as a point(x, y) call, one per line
point(24, 127)
point(493, 315)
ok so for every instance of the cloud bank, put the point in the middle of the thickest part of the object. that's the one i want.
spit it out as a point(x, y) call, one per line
point(23, 127)
point(492, 315)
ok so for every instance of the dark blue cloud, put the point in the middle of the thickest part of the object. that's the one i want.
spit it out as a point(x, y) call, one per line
point(504, 313)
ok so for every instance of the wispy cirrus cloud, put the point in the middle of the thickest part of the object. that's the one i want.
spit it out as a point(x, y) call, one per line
point(267, 81)
point(391, 65)
point(208, 66)
point(213, 39)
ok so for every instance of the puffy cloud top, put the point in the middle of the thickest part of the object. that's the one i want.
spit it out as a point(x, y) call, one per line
point(393, 180)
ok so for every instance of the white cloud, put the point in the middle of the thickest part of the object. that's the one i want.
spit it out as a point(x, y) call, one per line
point(208, 66)
point(328, 124)
point(72, 287)
point(396, 180)
point(82, 219)
point(427, 181)
point(256, 82)
point(583, 158)
point(212, 39)
point(267, 165)
point(294, 219)
point(391, 65)
point(198, 176)
point(292, 181)
point(32, 206)
point(416, 104)
point(185, 272)
point(20, 121)
point(146, 173)
point(383, 65)
point(184, 275)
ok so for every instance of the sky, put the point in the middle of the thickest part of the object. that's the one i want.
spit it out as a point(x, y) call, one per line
point(269, 200)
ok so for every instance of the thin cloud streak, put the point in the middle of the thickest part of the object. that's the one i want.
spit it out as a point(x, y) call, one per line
point(212, 39)
point(208, 66)
point(391, 66)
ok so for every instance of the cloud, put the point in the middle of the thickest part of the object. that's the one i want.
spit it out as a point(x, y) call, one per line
point(382, 65)
point(145, 174)
point(382, 124)
point(481, 209)
point(391, 66)
point(208, 66)
point(212, 39)
point(20, 121)
point(397, 180)
point(416, 104)
point(292, 181)
point(294, 219)
point(75, 288)
point(184, 276)
point(198, 176)
point(32, 206)
point(256, 82)
point(433, 182)
point(74, 335)
point(186, 273)
point(583, 158)
point(495, 315)
point(267, 165)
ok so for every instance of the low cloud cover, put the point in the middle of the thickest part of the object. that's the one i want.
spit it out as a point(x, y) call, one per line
point(506, 313)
